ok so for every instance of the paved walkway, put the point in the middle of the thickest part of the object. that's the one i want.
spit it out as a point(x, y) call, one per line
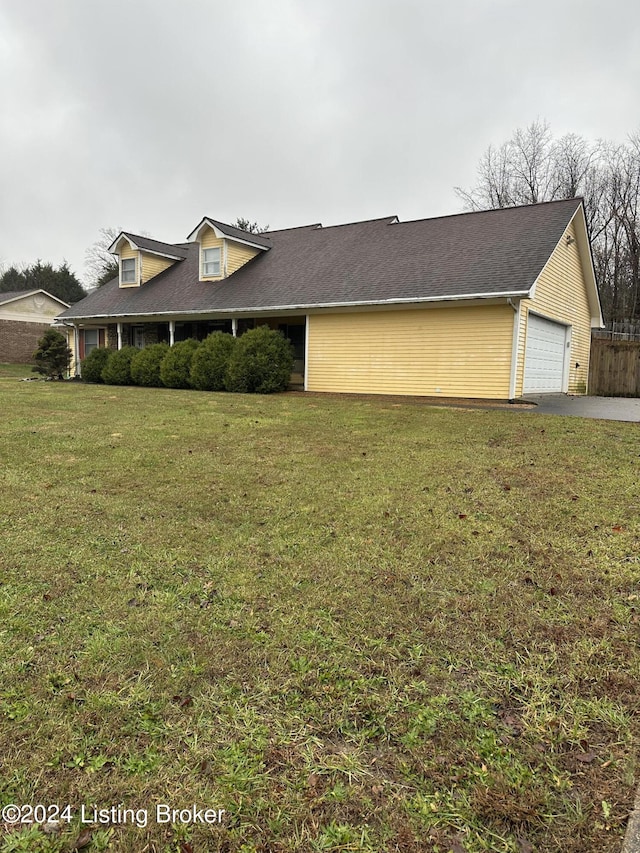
point(606, 408)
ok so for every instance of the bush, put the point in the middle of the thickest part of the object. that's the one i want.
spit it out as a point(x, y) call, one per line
point(53, 356)
point(261, 362)
point(176, 365)
point(210, 362)
point(93, 364)
point(117, 370)
point(145, 365)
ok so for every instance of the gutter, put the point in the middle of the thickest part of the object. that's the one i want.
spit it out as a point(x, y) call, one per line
point(304, 306)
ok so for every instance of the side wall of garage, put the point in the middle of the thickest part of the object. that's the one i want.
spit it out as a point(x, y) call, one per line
point(455, 351)
point(561, 295)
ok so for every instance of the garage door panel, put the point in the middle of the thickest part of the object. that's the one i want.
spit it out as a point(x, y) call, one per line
point(544, 356)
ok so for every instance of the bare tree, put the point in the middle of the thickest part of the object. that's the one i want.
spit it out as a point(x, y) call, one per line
point(100, 263)
point(246, 225)
point(532, 167)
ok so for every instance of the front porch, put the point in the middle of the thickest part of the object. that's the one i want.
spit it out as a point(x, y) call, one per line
point(142, 333)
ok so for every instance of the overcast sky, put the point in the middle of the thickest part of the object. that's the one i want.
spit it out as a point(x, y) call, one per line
point(148, 114)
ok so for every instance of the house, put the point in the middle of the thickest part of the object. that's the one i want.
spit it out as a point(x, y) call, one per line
point(494, 304)
point(25, 315)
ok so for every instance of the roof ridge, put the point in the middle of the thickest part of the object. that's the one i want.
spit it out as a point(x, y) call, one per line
point(387, 219)
point(492, 210)
point(146, 237)
point(311, 227)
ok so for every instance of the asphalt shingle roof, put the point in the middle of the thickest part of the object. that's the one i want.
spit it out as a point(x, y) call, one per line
point(498, 252)
point(248, 236)
point(14, 294)
point(156, 245)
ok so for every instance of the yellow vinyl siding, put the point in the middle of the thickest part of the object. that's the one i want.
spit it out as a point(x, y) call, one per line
point(232, 255)
point(210, 241)
point(153, 265)
point(127, 252)
point(238, 255)
point(560, 294)
point(462, 351)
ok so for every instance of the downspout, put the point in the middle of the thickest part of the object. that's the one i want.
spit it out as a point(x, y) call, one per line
point(514, 349)
point(76, 350)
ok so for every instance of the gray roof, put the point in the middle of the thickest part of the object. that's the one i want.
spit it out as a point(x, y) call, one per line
point(230, 231)
point(496, 252)
point(155, 246)
point(14, 294)
point(17, 294)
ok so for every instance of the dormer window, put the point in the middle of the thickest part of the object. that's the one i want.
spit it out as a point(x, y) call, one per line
point(128, 270)
point(210, 262)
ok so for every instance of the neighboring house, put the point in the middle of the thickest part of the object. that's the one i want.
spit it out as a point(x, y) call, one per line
point(25, 315)
point(494, 304)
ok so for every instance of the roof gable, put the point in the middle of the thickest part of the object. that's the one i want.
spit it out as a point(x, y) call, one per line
point(221, 229)
point(16, 295)
point(147, 244)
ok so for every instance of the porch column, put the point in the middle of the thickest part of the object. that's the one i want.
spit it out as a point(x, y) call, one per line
point(76, 352)
point(172, 331)
point(119, 335)
point(234, 327)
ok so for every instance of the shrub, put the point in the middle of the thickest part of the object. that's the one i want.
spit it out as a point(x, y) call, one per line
point(261, 362)
point(117, 370)
point(145, 365)
point(210, 362)
point(176, 365)
point(93, 364)
point(53, 356)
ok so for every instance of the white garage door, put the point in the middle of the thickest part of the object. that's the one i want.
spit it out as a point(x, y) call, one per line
point(544, 356)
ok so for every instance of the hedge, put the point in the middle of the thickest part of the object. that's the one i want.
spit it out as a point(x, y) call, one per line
point(211, 360)
point(260, 363)
point(145, 365)
point(94, 363)
point(117, 370)
point(175, 369)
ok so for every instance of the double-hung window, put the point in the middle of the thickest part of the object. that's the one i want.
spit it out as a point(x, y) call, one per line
point(210, 262)
point(128, 271)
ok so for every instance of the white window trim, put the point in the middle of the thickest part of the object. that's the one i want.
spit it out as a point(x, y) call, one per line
point(127, 282)
point(203, 262)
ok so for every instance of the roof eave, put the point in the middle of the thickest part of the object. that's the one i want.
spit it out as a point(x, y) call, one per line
point(31, 293)
point(222, 234)
point(307, 306)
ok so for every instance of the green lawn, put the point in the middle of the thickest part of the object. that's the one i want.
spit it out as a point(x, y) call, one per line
point(354, 625)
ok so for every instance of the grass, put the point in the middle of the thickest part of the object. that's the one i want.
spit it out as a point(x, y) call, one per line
point(354, 625)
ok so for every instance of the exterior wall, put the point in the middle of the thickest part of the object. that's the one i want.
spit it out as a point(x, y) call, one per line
point(456, 351)
point(128, 252)
point(35, 308)
point(210, 241)
point(153, 265)
point(19, 340)
point(238, 255)
point(22, 323)
point(560, 294)
point(232, 255)
point(112, 336)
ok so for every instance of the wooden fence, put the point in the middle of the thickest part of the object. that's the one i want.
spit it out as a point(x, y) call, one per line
point(614, 368)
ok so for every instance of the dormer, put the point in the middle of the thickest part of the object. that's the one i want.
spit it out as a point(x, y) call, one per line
point(223, 249)
point(141, 258)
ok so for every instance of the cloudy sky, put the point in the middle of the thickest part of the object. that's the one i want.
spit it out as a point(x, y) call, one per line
point(148, 114)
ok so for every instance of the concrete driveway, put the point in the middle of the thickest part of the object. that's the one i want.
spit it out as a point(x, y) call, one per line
point(605, 408)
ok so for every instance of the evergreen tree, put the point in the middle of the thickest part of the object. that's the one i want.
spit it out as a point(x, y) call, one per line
point(53, 356)
point(60, 282)
point(12, 280)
